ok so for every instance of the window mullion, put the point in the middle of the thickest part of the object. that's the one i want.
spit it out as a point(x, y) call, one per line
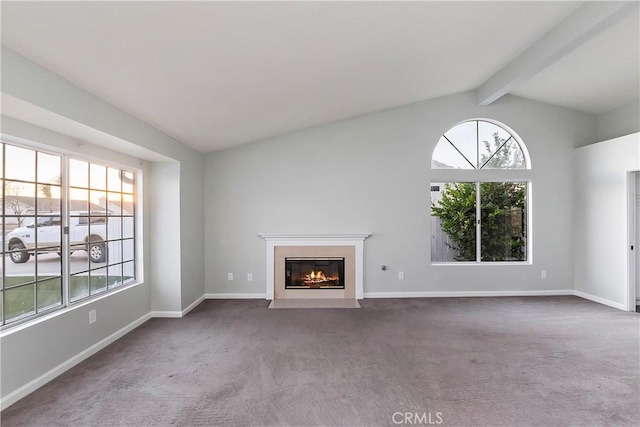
point(64, 216)
point(4, 233)
point(478, 224)
point(477, 144)
point(36, 229)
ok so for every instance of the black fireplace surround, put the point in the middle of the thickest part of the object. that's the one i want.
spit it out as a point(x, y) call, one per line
point(314, 273)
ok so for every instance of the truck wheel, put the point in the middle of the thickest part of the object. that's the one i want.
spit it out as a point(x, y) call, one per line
point(18, 256)
point(97, 251)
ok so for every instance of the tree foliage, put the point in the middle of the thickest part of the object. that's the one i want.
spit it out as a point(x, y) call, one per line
point(503, 222)
point(505, 156)
point(47, 191)
point(13, 201)
point(457, 213)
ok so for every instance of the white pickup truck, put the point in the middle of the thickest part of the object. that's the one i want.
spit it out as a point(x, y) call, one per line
point(21, 242)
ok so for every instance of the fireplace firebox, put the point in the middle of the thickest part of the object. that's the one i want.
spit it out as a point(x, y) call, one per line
point(314, 273)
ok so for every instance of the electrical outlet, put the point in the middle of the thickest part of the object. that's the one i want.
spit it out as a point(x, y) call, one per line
point(229, 276)
point(92, 316)
point(401, 275)
point(249, 277)
point(543, 274)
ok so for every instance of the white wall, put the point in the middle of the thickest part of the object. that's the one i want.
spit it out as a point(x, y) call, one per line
point(622, 121)
point(601, 218)
point(372, 174)
point(37, 96)
point(637, 225)
point(164, 196)
point(29, 352)
point(191, 204)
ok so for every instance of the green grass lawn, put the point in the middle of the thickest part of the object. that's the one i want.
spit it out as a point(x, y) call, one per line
point(21, 300)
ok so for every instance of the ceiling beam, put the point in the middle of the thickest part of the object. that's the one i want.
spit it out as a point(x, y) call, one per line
point(585, 23)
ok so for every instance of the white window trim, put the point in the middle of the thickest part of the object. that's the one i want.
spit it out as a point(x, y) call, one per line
point(68, 306)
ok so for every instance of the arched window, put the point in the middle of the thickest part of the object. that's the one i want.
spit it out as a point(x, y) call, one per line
point(479, 144)
point(481, 213)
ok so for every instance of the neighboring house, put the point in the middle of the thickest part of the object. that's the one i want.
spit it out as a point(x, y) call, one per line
point(19, 208)
point(127, 208)
point(439, 165)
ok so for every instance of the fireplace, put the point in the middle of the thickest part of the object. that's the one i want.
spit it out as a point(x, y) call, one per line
point(314, 273)
point(346, 247)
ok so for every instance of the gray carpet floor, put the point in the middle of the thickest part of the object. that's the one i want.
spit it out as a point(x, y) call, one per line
point(539, 361)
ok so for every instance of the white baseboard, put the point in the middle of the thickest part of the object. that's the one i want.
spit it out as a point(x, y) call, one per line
point(600, 300)
point(166, 314)
point(192, 305)
point(177, 314)
point(32, 386)
point(453, 294)
point(235, 296)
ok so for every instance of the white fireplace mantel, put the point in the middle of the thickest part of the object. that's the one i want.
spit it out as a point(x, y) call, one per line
point(315, 239)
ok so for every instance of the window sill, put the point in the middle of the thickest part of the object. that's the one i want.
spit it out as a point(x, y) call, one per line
point(10, 329)
point(483, 264)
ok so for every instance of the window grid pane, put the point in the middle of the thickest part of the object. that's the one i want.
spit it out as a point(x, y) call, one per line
point(20, 302)
point(101, 220)
point(31, 233)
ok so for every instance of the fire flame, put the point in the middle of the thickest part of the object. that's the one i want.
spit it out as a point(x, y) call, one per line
point(317, 277)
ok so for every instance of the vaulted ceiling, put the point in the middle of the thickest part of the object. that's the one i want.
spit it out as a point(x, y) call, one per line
point(219, 74)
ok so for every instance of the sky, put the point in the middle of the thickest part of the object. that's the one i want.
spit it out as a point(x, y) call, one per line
point(20, 164)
